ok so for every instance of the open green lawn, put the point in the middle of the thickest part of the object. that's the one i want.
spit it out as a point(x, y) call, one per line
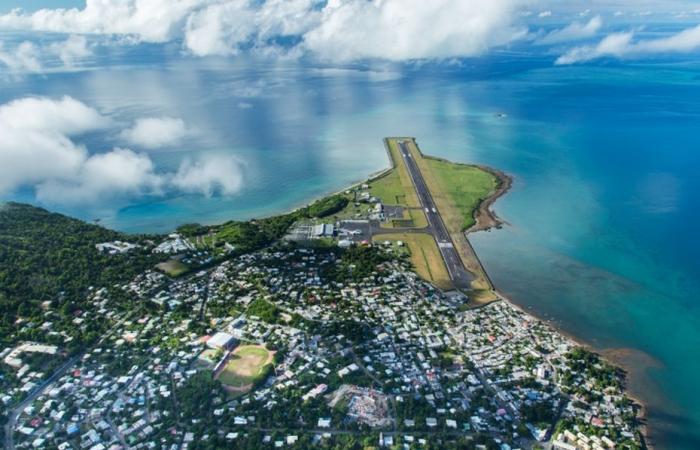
point(245, 366)
point(463, 186)
point(396, 187)
point(388, 189)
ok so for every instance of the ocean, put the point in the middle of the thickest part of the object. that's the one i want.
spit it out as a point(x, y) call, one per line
point(601, 235)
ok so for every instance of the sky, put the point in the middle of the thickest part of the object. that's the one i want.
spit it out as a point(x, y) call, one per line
point(40, 145)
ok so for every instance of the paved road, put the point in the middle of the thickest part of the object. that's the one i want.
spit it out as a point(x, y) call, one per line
point(460, 277)
point(17, 410)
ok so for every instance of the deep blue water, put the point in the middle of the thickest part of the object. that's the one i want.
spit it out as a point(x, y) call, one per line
point(606, 160)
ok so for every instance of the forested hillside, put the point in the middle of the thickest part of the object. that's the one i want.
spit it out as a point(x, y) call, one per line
point(46, 256)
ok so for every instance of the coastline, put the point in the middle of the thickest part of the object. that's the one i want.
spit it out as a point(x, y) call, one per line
point(487, 219)
point(608, 355)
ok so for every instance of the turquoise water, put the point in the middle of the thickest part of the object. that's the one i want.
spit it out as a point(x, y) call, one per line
point(606, 163)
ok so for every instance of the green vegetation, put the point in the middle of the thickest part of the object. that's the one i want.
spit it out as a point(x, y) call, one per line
point(259, 233)
point(196, 397)
point(463, 186)
point(266, 311)
point(388, 188)
point(356, 264)
point(327, 206)
point(356, 332)
point(51, 257)
point(540, 413)
point(396, 188)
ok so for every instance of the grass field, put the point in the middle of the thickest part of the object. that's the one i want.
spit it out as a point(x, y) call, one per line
point(425, 256)
point(172, 267)
point(457, 189)
point(396, 187)
point(464, 186)
point(246, 365)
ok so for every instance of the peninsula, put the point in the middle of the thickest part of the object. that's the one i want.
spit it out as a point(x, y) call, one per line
point(363, 320)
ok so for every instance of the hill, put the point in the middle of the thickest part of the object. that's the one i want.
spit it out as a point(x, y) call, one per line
point(51, 257)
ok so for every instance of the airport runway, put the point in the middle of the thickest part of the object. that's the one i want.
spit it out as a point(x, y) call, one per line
point(460, 277)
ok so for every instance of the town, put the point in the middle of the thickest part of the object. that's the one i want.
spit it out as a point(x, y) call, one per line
point(298, 347)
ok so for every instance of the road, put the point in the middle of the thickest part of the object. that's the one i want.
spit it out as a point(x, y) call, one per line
point(460, 277)
point(16, 411)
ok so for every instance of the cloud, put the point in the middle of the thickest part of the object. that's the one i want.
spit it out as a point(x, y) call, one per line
point(71, 50)
point(64, 116)
point(572, 32)
point(156, 132)
point(545, 14)
point(331, 30)
point(225, 27)
point(24, 58)
point(220, 28)
point(37, 149)
point(118, 172)
point(35, 145)
point(30, 57)
point(211, 174)
point(410, 29)
point(621, 45)
point(150, 20)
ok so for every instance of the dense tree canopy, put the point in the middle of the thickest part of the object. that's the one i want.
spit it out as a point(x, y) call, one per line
point(50, 257)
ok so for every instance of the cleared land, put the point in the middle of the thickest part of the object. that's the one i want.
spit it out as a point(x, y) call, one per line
point(458, 190)
point(464, 188)
point(246, 365)
point(396, 188)
point(425, 256)
point(173, 267)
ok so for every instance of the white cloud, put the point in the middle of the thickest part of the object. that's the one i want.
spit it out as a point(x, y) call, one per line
point(37, 149)
point(66, 116)
point(411, 29)
point(71, 50)
point(35, 143)
point(116, 173)
point(211, 174)
point(24, 58)
point(333, 30)
point(222, 28)
point(156, 132)
point(150, 20)
point(29, 156)
point(30, 57)
point(621, 45)
point(544, 14)
point(572, 32)
point(219, 28)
